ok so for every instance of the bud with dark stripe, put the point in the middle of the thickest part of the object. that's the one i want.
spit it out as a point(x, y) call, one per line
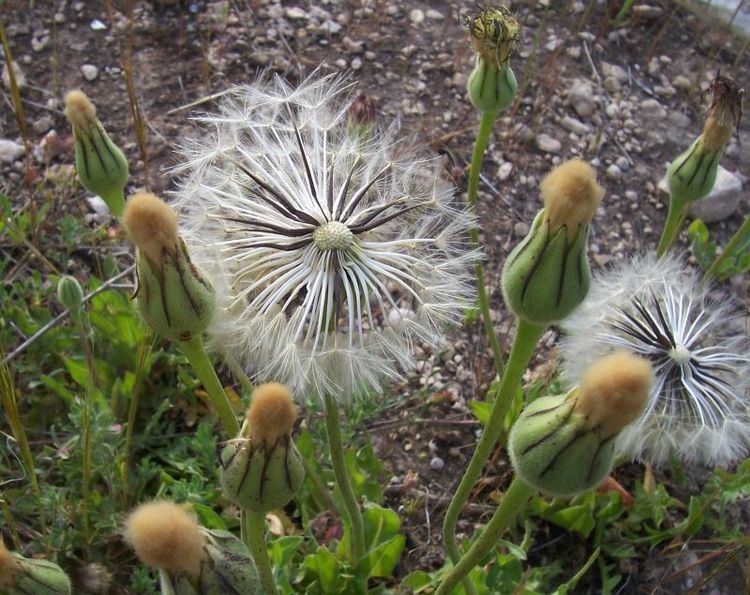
point(262, 469)
point(101, 165)
point(565, 444)
point(173, 296)
point(547, 275)
point(30, 576)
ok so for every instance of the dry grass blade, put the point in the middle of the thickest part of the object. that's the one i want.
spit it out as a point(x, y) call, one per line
point(15, 92)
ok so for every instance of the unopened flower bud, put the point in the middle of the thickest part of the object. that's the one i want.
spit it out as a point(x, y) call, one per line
point(101, 165)
point(70, 294)
point(191, 559)
point(31, 576)
point(262, 468)
point(564, 445)
point(495, 34)
point(547, 275)
point(173, 296)
point(692, 175)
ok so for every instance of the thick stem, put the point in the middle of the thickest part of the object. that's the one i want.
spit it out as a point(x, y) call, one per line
point(196, 355)
point(351, 507)
point(254, 534)
point(486, 123)
point(675, 216)
point(739, 237)
point(86, 427)
point(512, 504)
point(527, 336)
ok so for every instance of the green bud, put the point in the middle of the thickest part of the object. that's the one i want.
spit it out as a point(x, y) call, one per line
point(101, 165)
point(70, 294)
point(491, 88)
point(39, 577)
point(262, 469)
point(563, 445)
point(174, 298)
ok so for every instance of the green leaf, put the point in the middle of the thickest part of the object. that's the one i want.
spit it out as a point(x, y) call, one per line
point(283, 549)
point(324, 565)
point(704, 250)
point(382, 560)
point(208, 517)
point(481, 410)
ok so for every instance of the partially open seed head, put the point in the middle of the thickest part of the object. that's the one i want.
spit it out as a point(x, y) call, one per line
point(152, 225)
point(165, 536)
point(571, 195)
point(80, 111)
point(271, 413)
point(614, 390)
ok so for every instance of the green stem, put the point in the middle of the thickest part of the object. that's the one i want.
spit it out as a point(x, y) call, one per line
point(196, 355)
point(86, 427)
point(626, 7)
point(319, 490)
point(254, 533)
point(740, 236)
point(351, 507)
point(527, 336)
point(675, 216)
point(513, 502)
point(486, 123)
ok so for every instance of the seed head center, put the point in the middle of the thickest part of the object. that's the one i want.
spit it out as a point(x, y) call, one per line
point(333, 235)
point(680, 354)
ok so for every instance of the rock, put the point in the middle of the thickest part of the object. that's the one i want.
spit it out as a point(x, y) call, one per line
point(417, 16)
point(39, 43)
point(612, 85)
point(295, 13)
point(20, 76)
point(682, 82)
point(721, 202)
point(616, 72)
point(651, 107)
point(50, 147)
point(435, 15)
point(614, 172)
point(355, 47)
point(89, 72)
point(10, 150)
point(504, 171)
point(581, 97)
point(665, 90)
point(623, 163)
point(521, 228)
point(548, 144)
point(437, 464)
point(573, 125)
point(646, 11)
point(42, 124)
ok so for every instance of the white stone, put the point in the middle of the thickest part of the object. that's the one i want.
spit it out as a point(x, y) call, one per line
point(20, 76)
point(417, 16)
point(651, 107)
point(721, 202)
point(89, 72)
point(435, 15)
point(548, 144)
point(296, 13)
point(682, 82)
point(10, 150)
point(504, 171)
point(573, 125)
point(581, 97)
point(615, 71)
point(614, 172)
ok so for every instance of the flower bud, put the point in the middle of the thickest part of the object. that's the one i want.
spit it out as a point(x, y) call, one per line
point(173, 296)
point(564, 445)
point(362, 116)
point(101, 165)
point(262, 468)
point(495, 34)
point(692, 175)
point(70, 294)
point(547, 275)
point(19, 575)
point(191, 559)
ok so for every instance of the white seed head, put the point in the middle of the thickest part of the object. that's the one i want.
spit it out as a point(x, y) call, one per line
point(316, 237)
point(699, 407)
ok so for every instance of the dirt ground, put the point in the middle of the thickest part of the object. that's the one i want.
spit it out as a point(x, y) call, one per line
point(645, 81)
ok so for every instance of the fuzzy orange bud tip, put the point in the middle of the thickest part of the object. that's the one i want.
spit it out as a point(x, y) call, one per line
point(271, 413)
point(571, 196)
point(614, 390)
point(165, 536)
point(724, 112)
point(9, 566)
point(152, 224)
point(80, 111)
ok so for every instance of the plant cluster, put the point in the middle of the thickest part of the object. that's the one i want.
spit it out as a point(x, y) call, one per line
point(308, 249)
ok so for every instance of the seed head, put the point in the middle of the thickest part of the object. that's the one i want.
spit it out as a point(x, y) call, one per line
point(152, 225)
point(724, 112)
point(80, 111)
point(495, 33)
point(571, 196)
point(271, 413)
point(165, 536)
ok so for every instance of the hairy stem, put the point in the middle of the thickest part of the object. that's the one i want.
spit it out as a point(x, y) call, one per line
point(351, 507)
point(254, 535)
point(675, 217)
point(486, 123)
point(512, 504)
point(525, 340)
point(196, 355)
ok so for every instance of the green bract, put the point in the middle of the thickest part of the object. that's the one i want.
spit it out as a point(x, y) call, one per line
point(491, 87)
point(70, 294)
point(39, 577)
point(173, 296)
point(692, 175)
point(547, 276)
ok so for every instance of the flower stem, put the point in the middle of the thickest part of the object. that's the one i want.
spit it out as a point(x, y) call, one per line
point(351, 507)
point(512, 504)
point(675, 216)
point(254, 535)
point(196, 355)
point(527, 336)
point(486, 123)
point(740, 236)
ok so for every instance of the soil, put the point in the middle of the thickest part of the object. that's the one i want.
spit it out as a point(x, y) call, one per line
point(412, 58)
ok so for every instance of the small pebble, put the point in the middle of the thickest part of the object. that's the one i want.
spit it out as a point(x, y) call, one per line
point(437, 464)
